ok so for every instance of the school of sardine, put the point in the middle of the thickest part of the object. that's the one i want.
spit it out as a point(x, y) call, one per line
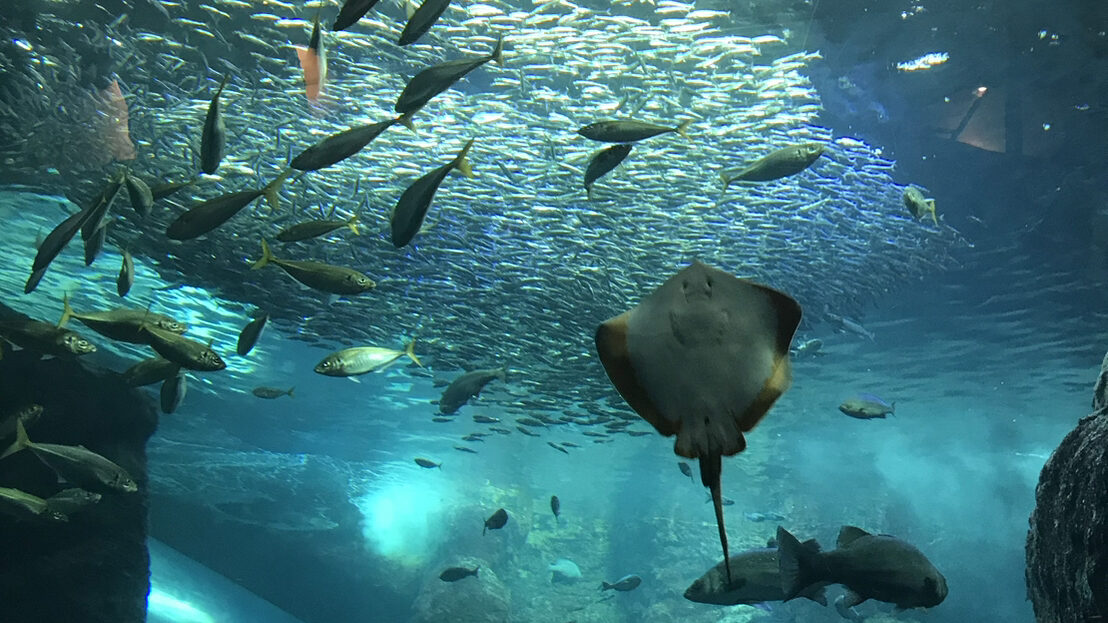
point(515, 266)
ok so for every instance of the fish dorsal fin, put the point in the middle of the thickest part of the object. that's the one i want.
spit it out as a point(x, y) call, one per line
point(811, 545)
point(849, 534)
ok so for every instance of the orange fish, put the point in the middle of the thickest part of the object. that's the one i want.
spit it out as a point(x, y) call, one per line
point(116, 126)
point(313, 61)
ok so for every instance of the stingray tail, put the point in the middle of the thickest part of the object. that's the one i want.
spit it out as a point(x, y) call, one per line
point(798, 563)
point(710, 469)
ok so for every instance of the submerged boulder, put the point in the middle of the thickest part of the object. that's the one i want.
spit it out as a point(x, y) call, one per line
point(1067, 544)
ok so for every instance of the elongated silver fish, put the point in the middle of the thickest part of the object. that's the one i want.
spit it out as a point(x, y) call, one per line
point(777, 164)
point(363, 359)
point(75, 464)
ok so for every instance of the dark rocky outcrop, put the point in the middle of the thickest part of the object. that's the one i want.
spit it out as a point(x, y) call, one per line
point(93, 569)
point(1067, 545)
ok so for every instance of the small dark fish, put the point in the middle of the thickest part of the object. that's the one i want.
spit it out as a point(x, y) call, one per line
point(422, 20)
point(570, 444)
point(603, 162)
point(317, 275)
point(500, 431)
point(214, 135)
point(473, 437)
point(467, 386)
point(126, 276)
point(150, 371)
point(271, 393)
point(556, 508)
point(173, 392)
point(465, 449)
point(527, 421)
point(161, 191)
point(205, 217)
point(776, 165)
point(312, 229)
point(53, 244)
point(867, 407)
point(411, 208)
point(95, 243)
point(527, 431)
point(428, 463)
point(351, 12)
point(624, 584)
point(485, 419)
point(686, 470)
point(760, 517)
point(639, 433)
point(442, 420)
point(437, 78)
point(871, 566)
point(496, 521)
point(101, 205)
point(453, 574)
point(340, 146)
point(557, 447)
point(142, 198)
point(628, 131)
point(249, 335)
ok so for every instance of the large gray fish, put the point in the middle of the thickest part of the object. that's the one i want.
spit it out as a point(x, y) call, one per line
point(150, 371)
point(24, 506)
point(249, 335)
point(311, 229)
point(182, 351)
point(213, 138)
point(203, 218)
point(628, 130)
point(333, 279)
point(122, 325)
point(411, 208)
point(603, 162)
point(778, 164)
point(69, 501)
point(422, 20)
point(351, 12)
point(871, 566)
point(438, 78)
point(363, 359)
point(75, 464)
point(340, 146)
point(755, 579)
point(467, 386)
point(44, 338)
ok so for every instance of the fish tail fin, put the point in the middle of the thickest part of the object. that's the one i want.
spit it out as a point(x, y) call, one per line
point(222, 84)
point(605, 586)
point(352, 224)
point(476, 569)
point(892, 408)
point(461, 163)
point(21, 441)
point(290, 391)
point(272, 190)
point(588, 192)
point(267, 256)
point(409, 350)
point(406, 119)
point(934, 215)
point(726, 179)
point(67, 311)
point(797, 563)
point(683, 127)
point(498, 51)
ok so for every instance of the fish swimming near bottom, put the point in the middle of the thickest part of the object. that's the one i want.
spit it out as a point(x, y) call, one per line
point(453, 574)
point(879, 567)
point(496, 521)
point(867, 407)
point(755, 579)
point(624, 584)
point(556, 508)
point(467, 386)
point(75, 464)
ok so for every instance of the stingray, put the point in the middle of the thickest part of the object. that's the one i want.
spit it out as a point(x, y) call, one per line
point(703, 357)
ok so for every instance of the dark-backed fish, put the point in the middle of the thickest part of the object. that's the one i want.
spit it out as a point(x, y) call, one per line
point(467, 386)
point(214, 135)
point(685, 469)
point(311, 229)
point(121, 325)
point(867, 407)
point(313, 62)
point(173, 392)
point(755, 579)
point(183, 351)
point(918, 205)
point(628, 130)
point(603, 162)
point(340, 146)
point(428, 463)
point(272, 393)
point(496, 521)
point(126, 277)
point(69, 501)
point(777, 164)
point(44, 338)
point(624, 584)
point(453, 574)
point(75, 464)
point(142, 198)
point(438, 78)
point(249, 335)
point(422, 20)
point(351, 12)
point(411, 208)
point(703, 357)
point(27, 507)
point(556, 508)
point(324, 277)
point(364, 359)
point(206, 216)
point(150, 371)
